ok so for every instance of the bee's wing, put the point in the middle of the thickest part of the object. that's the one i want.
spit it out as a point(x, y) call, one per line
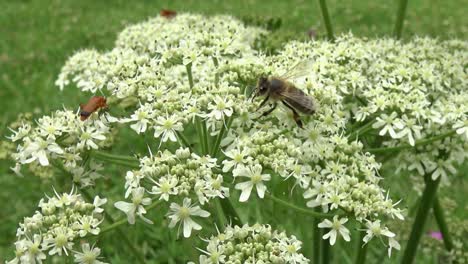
point(299, 100)
point(300, 69)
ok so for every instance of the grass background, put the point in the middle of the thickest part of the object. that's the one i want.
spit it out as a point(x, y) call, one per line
point(37, 36)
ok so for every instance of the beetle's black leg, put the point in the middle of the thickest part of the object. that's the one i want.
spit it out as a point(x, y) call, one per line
point(295, 114)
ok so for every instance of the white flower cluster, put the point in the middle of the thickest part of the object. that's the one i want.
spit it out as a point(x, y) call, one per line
point(252, 244)
point(53, 229)
point(172, 177)
point(62, 136)
point(403, 93)
point(176, 78)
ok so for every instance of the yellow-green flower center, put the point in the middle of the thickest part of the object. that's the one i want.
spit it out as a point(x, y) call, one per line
point(184, 213)
point(256, 178)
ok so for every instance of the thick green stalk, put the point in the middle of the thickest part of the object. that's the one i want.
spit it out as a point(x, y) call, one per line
point(326, 19)
point(361, 249)
point(299, 209)
point(188, 67)
point(440, 219)
point(417, 230)
point(230, 212)
point(400, 18)
point(317, 238)
point(420, 142)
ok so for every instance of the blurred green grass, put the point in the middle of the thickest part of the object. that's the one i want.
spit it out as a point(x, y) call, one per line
point(37, 36)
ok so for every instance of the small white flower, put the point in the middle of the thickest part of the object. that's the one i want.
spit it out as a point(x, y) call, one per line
point(167, 127)
point(142, 116)
point(88, 137)
point(374, 229)
point(34, 250)
point(440, 168)
point(256, 179)
point(337, 227)
point(389, 123)
point(89, 255)
point(220, 108)
point(17, 170)
point(461, 127)
point(237, 157)
point(60, 240)
point(411, 130)
point(392, 243)
point(136, 206)
point(182, 214)
point(97, 203)
point(39, 150)
point(319, 191)
point(165, 187)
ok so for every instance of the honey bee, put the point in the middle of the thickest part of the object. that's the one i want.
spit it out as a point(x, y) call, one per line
point(91, 106)
point(281, 89)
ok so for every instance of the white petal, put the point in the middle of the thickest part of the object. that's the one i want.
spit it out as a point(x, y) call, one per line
point(261, 188)
point(245, 193)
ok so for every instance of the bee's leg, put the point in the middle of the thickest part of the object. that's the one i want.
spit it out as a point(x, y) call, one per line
point(270, 110)
point(295, 114)
point(263, 102)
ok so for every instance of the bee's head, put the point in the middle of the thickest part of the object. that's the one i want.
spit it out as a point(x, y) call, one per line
point(262, 85)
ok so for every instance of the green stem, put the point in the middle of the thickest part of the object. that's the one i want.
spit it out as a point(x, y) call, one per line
point(361, 249)
point(188, 67)
point(219, 138)
point(420, 142)
point(134, 165)
point(362, 130)
point(317, 238)
point(440, 219)
point(420, 220)
point(201, 135)
point(113, 225)
point(325, 248)
point(230, 212)
point(326, 19)
point(184, 141)
point(400, 18)
point(221, 218)
point(96, 153)
point(205, 137)
point(124, 220)
point(299, 209)
point(216, 63)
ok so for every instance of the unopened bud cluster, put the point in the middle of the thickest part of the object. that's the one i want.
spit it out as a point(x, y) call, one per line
point(54, 228)
point(252, 244)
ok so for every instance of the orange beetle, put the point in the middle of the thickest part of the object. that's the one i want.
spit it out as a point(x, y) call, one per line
point(91, 106)
point(167, 13)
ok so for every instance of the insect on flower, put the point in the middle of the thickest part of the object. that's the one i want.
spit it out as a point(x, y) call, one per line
point(280, 89)
point(91, 106)
point(167, 13)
